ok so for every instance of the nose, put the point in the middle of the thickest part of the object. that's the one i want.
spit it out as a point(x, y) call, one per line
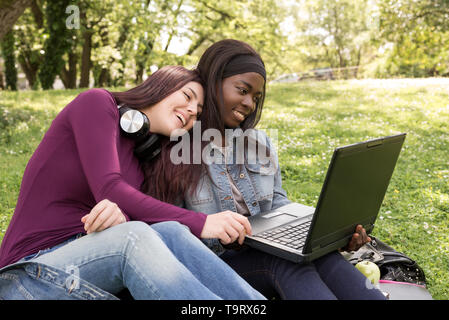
point(192, 108)
point(248, 102)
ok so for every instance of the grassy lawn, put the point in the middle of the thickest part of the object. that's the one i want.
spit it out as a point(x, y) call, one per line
point(311, 118)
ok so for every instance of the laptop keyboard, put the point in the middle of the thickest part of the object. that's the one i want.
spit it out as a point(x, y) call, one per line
point(291, 235)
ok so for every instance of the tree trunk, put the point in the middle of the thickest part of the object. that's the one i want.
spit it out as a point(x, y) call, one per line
point(141, 61)
point(104, 75)
point(30, 69)
point(72, 70)
point(9, 13)
point(8, 50)
point(86, 63)
point(37, 14)
point(104, 78)
point(359, 58)
point(139, 73)
point(2, 84)
point(68, 77)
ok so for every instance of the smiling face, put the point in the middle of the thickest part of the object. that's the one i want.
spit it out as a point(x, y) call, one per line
point(241, 93)
point(177, 111)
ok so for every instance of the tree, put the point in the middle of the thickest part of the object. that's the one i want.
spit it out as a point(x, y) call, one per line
point(7, 46)
point(257, 22)
point(10, 11)
point(417, 35)
point(119, 41)
point(57, 44)
point(30, 40)
point(337, 32)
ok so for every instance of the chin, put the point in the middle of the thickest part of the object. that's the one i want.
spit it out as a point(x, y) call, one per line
point(177, 132)
point(232, 124)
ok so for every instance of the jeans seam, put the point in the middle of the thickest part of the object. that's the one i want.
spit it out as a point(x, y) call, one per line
point(20, 287)
point(123, 258)
point(128, 248)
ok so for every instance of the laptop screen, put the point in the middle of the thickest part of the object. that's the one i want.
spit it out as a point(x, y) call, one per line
point(353, 191)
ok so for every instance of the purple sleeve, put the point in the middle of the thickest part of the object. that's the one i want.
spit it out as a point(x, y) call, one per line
point(94, 122)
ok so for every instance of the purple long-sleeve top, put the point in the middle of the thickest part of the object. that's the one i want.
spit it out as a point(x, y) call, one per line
point(82, 160)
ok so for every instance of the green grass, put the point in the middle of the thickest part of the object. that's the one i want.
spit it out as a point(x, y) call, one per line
point(311, 119)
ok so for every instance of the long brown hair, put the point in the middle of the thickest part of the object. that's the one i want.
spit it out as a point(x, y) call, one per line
point(162, 178)
point(211, 68)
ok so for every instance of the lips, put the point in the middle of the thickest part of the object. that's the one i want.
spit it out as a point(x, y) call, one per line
point(182, 117)
point(239, 115)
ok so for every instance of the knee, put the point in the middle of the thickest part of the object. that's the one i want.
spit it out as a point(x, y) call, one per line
point(137, 230)
point(167, 230)
point(171, 227)
point(172, 231)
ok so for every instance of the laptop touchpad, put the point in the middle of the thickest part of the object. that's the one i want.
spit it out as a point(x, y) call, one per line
point(279, 217)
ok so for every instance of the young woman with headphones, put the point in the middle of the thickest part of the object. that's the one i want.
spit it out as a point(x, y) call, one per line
point(68, 238)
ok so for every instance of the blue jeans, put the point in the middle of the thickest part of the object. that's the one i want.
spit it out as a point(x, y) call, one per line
point(330, 277)
point(164, 261)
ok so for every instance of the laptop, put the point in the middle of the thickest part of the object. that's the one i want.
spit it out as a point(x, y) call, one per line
point(352, 193)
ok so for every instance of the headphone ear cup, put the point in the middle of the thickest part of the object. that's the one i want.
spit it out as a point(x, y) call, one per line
point(149, 149)
point(133, 123)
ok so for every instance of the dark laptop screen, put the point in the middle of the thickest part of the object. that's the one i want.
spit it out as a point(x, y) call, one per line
point(355, 185)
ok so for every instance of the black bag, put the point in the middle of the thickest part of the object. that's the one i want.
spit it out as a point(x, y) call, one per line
point(393, 265)
point(400, 277)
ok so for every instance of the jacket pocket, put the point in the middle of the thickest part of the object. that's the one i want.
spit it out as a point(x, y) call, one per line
point(262, 183)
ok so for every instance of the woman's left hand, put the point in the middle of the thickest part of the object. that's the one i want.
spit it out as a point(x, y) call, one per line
point(104, 215)
point(359, 238)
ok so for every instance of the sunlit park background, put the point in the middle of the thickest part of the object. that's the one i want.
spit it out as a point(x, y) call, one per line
point(339, 72)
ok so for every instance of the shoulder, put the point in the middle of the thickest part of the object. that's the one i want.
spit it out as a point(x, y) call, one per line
point(94, 101)
point(97, 95)
point(262, 138)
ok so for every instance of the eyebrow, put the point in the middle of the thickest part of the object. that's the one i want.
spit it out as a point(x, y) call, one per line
point(249, 86)
point(196, 97)
point(194, 93)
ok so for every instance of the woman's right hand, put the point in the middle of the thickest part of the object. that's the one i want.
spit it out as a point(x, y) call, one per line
point(227, 226)
point(104, 215)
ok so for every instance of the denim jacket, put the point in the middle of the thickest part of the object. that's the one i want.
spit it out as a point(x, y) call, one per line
point(258, 181)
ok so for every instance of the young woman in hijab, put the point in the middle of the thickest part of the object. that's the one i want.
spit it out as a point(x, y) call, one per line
point(68, 238)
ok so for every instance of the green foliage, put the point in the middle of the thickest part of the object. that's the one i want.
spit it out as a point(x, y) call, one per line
point(257, 22)
point(335, 33)
point(57, 43)
point(30, 38)
point(417, 34)
point(7, 46)
point(120, 42)
point(128, 38)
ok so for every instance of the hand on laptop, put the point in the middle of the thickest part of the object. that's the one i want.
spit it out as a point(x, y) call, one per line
point(359, 238)
point(227, 226)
